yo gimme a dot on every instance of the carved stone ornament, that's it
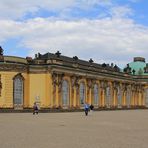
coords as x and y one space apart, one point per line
60 81
75 81
54 81
103 84
124 87
89 83
57 79
54 78
115 85
14 67
1 51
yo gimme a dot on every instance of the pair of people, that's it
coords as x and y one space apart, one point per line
88 108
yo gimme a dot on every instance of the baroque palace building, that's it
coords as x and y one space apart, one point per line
56 81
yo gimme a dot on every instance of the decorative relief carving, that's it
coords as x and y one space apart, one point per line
54 82
90 85
124 87
133 88
14 67
103 84
60 81
115 85
57 80
75 84
75 81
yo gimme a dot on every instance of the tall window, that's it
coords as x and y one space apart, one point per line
108 96
146 96
119 96
82 93
18 90
96 95
65 93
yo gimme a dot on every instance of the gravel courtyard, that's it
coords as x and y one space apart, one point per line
102 129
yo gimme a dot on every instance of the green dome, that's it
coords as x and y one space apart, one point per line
138 67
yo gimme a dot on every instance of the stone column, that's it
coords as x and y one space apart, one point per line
75 91
140 98
54 83
103 97
73 104
133 98
90 86
77 94
59 95
133 95
103 86
115 86
123 94
143 96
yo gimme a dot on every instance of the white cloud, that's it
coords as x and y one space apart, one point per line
17 9
121 11
111 39
108 39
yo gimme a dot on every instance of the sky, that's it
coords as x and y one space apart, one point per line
110 31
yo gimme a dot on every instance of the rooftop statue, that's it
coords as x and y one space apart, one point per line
1 51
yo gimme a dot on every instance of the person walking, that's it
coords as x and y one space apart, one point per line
86 108
35 109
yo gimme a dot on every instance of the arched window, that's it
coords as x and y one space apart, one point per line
96 95
108 96
119 96
18 90
146 96
65 93
82 93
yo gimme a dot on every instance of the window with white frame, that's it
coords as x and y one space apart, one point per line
96 95
18 90
108 96
65 93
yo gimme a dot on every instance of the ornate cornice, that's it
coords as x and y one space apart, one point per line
13 67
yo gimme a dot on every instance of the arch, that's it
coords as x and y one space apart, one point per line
18 90
82 93
65 93
96 95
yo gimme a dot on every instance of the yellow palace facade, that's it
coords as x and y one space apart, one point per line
56 81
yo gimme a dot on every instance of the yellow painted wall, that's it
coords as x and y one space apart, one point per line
26 90
6 98
39 89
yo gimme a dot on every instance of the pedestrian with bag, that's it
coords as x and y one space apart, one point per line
86 108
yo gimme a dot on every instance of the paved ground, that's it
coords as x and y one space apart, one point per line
103 129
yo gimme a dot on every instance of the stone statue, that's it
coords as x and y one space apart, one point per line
1 51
